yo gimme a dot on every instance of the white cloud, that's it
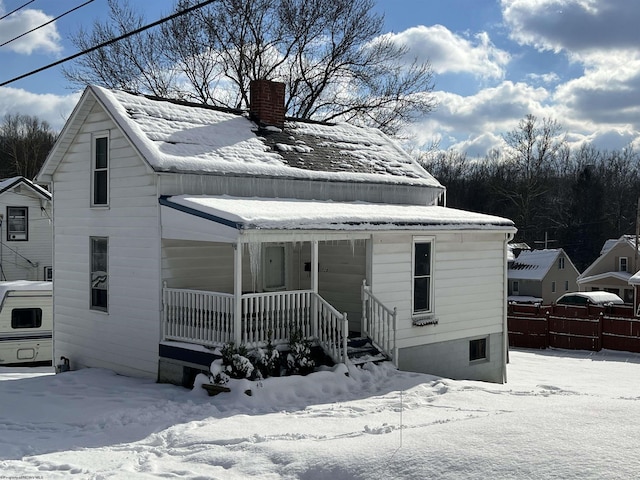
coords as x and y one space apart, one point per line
53 108
45 39
576 27
451 53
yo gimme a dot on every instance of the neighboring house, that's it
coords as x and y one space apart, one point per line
25 231
612 270
541 276
180 227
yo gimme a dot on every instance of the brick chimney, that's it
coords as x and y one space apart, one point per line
267 103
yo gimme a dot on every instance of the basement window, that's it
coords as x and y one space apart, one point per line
478 349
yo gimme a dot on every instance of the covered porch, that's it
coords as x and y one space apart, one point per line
224 283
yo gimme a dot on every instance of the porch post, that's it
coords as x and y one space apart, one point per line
237 293
314 288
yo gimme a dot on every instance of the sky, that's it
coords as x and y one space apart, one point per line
495 61
561 415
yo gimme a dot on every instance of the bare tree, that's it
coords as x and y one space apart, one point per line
25 142
331 54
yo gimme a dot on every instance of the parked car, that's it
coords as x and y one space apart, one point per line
589 298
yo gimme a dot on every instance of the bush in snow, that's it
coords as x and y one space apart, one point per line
267 360
235 361
217 373
299 360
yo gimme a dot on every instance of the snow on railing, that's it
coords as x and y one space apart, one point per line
197 316
379 323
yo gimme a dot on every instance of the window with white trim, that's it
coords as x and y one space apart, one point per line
99 275
422 276
623 264
48 274
561 263
17 224
100 171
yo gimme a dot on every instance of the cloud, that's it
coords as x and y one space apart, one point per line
451 53
53 108
577 27
45 39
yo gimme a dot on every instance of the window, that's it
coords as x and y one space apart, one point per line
48 274
99 273
26 318
566 285
100 171
17 221
623 264
478 349
422 276
553 287
561 263
274 268
516 287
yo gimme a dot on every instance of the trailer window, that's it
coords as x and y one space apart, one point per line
26 318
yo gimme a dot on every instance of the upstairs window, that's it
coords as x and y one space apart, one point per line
623 264
99 273
17 223
561 263
100 171
422 276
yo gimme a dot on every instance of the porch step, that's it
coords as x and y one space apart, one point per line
360 350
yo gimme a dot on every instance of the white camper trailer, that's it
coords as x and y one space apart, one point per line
26 322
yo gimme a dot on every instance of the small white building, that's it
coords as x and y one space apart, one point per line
180 227
25 231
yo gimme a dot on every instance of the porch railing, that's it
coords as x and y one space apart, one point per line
207 318
379 323
196 316
274 316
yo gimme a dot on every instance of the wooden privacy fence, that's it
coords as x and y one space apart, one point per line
573 327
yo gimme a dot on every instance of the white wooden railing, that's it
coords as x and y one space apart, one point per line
333 330
379 323
207 318
274 315
196 316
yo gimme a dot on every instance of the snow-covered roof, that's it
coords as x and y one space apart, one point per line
293 214
533 264
23 285
524 299
624 276
610 243
182 137
9 183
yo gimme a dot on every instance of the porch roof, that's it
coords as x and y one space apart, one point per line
227 218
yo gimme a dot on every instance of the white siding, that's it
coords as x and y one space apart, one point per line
26 260
468 278
125 339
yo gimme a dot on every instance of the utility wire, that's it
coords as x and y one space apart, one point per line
47 23
19 8
109 42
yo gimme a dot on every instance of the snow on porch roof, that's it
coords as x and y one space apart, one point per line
293 214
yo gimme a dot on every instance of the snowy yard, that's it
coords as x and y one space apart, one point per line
562 415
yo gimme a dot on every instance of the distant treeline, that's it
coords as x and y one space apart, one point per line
25 142
578 198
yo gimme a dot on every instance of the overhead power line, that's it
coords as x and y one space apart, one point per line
14 11
109 42
45 24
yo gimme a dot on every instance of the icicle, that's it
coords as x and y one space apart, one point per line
255 254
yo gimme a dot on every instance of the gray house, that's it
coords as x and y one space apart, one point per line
541 276
181 227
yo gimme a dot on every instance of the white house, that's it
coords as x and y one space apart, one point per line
25 231
180 227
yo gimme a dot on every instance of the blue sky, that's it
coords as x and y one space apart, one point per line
495 61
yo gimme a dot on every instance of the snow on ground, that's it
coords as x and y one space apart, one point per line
563 414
